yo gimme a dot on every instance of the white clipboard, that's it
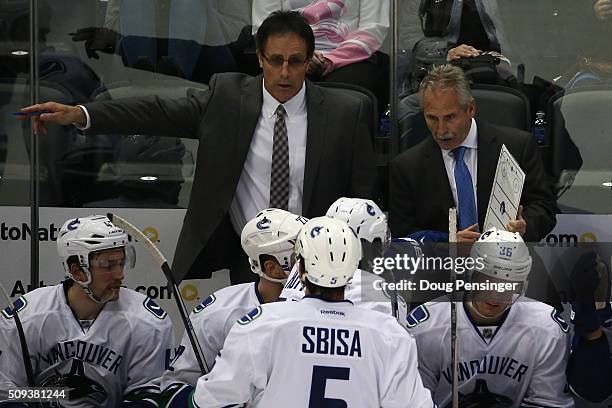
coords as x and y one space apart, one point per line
506 192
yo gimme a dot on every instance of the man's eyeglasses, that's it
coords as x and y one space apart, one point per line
277 61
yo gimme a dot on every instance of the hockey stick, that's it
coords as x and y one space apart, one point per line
163 264
452 243
25 354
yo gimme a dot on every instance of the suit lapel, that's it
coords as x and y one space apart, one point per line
251 101
315 140
488 154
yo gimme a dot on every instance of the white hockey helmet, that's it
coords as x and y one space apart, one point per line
363 216
272 232
504 254
330 251
81 236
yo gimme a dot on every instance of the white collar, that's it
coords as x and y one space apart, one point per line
293 106
470 141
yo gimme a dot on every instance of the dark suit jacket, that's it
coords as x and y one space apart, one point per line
339 154
420 193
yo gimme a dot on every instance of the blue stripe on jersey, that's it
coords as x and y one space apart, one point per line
206 302
19 304
417 315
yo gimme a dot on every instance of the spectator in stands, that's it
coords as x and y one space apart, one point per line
471 26
348 36
456 167
595 55
272 141
190 39
459 29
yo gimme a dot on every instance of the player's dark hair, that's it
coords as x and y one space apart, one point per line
321 291
284 22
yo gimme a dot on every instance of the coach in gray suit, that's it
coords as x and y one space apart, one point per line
276 140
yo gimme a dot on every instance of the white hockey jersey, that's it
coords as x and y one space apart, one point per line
212 320
311 353
123 352
360 290
520 361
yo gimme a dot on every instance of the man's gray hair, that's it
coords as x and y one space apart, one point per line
443 77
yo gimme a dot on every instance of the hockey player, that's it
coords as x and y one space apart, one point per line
268 240
511 353
589 371
103 342
370 225
320 351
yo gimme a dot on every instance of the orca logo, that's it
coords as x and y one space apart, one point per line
264 223
315 231
486 234
79 385
482 397
370 210
73 224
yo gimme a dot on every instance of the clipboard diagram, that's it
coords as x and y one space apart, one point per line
506 192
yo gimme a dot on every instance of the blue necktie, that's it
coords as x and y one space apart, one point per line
465 191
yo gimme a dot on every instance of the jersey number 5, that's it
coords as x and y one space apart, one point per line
320 375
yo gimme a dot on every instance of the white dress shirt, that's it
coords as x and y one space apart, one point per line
470 158
253 190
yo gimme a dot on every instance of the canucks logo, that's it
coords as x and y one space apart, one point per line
482 397
78 384
18 304
73 224
249 317
264 223
315 231
203 304
370 210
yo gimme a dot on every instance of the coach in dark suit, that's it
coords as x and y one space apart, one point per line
270 141
456 168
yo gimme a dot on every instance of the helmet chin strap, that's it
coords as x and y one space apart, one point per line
270 279
87 289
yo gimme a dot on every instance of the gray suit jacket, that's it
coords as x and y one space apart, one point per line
420 193
339 154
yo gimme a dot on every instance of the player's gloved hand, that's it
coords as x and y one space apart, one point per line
590 283
97 39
